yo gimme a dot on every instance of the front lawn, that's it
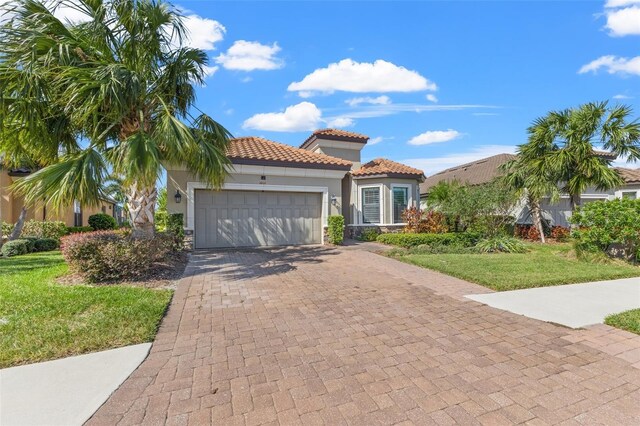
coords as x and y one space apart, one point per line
41 319
629 320
543 265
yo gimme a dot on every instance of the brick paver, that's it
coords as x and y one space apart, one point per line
327 336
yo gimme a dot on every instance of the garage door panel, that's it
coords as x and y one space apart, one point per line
252 218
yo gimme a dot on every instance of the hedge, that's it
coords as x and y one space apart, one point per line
78 229
335 231
102 222
14 248
464 239
44 229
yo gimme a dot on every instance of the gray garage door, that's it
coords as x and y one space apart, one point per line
254 218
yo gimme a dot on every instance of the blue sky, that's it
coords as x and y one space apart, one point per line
460 80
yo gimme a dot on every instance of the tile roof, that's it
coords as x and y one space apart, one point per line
474 173
260 151
629 175
382 166
335 134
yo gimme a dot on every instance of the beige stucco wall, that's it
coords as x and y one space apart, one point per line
11 205
386 184
178 179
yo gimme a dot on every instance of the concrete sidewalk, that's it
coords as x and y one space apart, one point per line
65 391
574 305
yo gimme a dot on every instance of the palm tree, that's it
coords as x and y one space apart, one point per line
112 94
531 184
563 145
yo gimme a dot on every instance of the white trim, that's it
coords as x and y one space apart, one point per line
364 225
589 196
192 186
409 196
380 187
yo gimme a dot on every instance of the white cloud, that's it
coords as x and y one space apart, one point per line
613 65
251 55
380 100
361 77
340 122
435 136
621 96
209 70
69 14
295 118
620 3
433 165
202 33
623 22
432 98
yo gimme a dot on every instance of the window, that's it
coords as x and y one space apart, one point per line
400 202
629 195
370 205
77 213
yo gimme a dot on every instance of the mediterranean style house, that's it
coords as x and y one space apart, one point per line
75 215
277 194
487 169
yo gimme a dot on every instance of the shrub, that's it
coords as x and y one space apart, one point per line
161 219
419 221
612 227
31 243
369 234
335 231
442 249
78 229
527 232
102 222
560 233
175 227
44 229
501 245
14 248
46 244
110 255
5 229
463 239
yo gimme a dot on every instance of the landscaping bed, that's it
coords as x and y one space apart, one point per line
40 319
542 265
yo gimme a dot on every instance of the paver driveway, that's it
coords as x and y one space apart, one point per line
318 335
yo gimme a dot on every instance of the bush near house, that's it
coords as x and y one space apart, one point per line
44 229
46 244
78 229
527 232
464 239
560 233
102 222
611 227
335 231
175 227
5 229
369 234
113 255
420 221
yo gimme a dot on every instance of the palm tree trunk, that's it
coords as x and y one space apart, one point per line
17 228
536 217
141 204
575 201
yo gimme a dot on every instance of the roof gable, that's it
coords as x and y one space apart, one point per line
385 167
336 135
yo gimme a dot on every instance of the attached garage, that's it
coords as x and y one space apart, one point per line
256 218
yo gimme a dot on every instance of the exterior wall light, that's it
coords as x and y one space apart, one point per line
178 196
263 180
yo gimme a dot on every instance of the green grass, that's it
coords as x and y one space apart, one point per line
629 320
41 320
542 265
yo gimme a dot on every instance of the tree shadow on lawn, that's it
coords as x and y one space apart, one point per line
250 263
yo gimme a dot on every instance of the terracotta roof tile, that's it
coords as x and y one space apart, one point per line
255 150
335 134
474 173
382 166
629 175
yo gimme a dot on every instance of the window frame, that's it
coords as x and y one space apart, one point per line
409 200
379 187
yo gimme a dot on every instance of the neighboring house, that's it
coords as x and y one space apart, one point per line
75 215
487 169
276 194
